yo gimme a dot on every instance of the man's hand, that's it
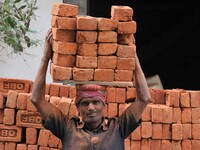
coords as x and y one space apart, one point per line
47 53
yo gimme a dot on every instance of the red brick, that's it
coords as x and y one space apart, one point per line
195 144
63 60
127 144
21 147
53 141
131 94
47 88
86 36
195 115
107 37
126 51
2 145
106 75
43 137
72 92
54 89
166 145
196 131
10 133
12 99
107 48
86 62
64 105
121 13
29 119
194 97
123 75
1 101
186 115
83 74
103 62
157 114
55 100
186 145
172 98
44 148
9 116
31 136
136 134
60 73
17 85
112 110
111 94
125 39
146 129
155 144
185 99
106 24
1 115
152 92
157 131
167 114
30 106
187 131
63 35
32 147
67 48
63 22
147 113
62 9
122 108
120 95
10 146
22 100
128 27
85 49
86 23
177 131
176 145
176 115
160 96
64 91
73 110
135 145
145 144
126 63
167 131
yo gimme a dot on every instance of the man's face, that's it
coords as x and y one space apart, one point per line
91 110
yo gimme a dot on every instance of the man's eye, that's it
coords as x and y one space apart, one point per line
96 102
84 103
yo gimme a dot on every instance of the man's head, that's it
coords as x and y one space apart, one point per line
90 102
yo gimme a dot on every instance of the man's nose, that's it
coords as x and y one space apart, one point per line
91 106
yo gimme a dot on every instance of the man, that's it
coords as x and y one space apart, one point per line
90 132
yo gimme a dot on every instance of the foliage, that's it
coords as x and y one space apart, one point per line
15 18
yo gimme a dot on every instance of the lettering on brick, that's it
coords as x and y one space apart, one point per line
13 85
31 118
8 133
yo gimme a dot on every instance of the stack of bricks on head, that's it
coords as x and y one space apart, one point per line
170 121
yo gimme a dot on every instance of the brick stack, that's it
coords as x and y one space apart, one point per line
87 48
170 120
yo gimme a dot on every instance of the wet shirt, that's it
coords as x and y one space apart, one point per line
75 135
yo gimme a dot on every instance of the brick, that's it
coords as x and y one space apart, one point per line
126 63
172 98
167 114
31 136
86 23
195 115
63 22
9 116
82 74
67 48
63 60
123 75
153 95
107 48
121 13
186 145
147 113
47 98
10 146
64 91
63 35
110 94
21 147
194 97
60 73
167 131
54 89
185 99
155 144
44 148
195 131
47 88
128 27
112 110
53 141
136 134
103 62
89 49
156 115
157 131
126 51
12 99
186 115
64 105
86 36
32 147
107 36
177 131
177 115
72 92
1 115
29 119
1 101
73 110
186 128
127 144
195 144
86 62
176 145
135 145
146 129
10 133
2 145
131 94
106 75
55 100
30 106
160 96
43 137
125 39
120 95
17 85
106 24
22 100
145 144
166 145
65 10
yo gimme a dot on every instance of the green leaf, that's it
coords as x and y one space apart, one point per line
22 7
17 1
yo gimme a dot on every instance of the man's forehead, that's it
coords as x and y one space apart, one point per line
88 99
